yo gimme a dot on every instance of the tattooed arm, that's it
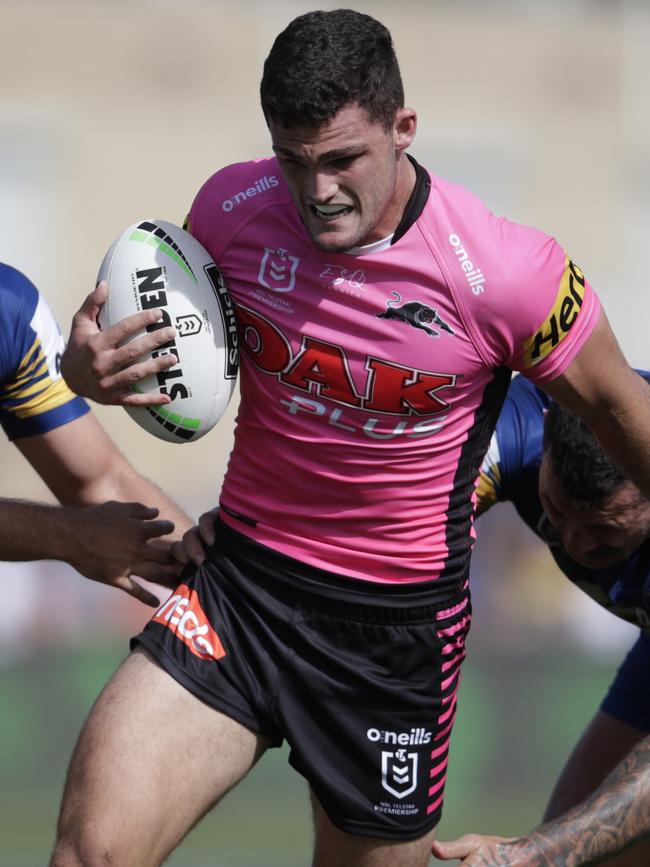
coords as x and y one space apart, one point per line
616 815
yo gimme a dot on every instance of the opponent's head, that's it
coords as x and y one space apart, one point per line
333 99
602 516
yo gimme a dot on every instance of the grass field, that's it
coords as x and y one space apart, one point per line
514 728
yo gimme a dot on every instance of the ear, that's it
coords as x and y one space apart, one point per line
404 128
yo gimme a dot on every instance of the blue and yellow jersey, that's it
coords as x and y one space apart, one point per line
510 473
34 398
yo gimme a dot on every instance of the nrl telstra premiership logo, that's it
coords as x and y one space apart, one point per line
399 772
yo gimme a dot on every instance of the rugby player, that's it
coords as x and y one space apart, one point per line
596 523
381 311
103 529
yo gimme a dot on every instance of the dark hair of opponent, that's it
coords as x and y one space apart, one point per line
324 61
585 472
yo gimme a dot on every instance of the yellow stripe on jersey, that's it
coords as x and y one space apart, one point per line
486 489
561 317
33 391
54 394
25 385
26 370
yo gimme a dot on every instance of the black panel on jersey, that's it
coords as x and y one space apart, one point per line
459 511
417 200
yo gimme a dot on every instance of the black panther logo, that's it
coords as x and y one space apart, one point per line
415 313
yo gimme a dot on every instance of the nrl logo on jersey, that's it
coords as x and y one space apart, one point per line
399 772
416 314
278 270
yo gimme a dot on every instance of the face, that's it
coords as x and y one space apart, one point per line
349 178
596 536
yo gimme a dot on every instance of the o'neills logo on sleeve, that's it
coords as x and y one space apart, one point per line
473 274
182 613
561 317
261 185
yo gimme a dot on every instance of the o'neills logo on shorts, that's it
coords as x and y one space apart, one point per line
411 738
182 613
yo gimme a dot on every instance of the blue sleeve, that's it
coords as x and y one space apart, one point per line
511 465
628 698
34 397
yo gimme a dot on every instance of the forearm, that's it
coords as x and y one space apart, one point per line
34 531
616 815
82 466
121 483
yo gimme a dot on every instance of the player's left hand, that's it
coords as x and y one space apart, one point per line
195 540
102 365
482 850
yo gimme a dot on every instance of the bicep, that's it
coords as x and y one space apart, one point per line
74 459
599 382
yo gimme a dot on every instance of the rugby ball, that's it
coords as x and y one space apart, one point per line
156 264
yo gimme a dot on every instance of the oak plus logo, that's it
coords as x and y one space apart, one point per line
278 270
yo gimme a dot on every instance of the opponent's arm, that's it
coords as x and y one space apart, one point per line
106 543
115 535
616 815
100 365
612 399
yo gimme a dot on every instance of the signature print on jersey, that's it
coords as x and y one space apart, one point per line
416 314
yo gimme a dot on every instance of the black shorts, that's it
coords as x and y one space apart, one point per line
359 678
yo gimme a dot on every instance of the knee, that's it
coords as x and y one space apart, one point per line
82 851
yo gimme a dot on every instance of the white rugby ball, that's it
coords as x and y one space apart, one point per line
156 264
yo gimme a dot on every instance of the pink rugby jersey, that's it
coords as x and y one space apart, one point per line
371 383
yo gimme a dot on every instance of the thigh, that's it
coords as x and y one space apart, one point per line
335 848
150 761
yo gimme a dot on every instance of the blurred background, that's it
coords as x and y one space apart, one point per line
116 111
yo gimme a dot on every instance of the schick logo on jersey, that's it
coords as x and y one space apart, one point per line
399 772
214 275
278 270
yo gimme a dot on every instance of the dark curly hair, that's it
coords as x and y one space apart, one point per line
324 61
586 473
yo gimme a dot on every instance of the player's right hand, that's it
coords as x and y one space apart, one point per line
102 365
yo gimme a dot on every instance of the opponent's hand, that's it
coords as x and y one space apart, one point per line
112 542
100 365
192 547
483 850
